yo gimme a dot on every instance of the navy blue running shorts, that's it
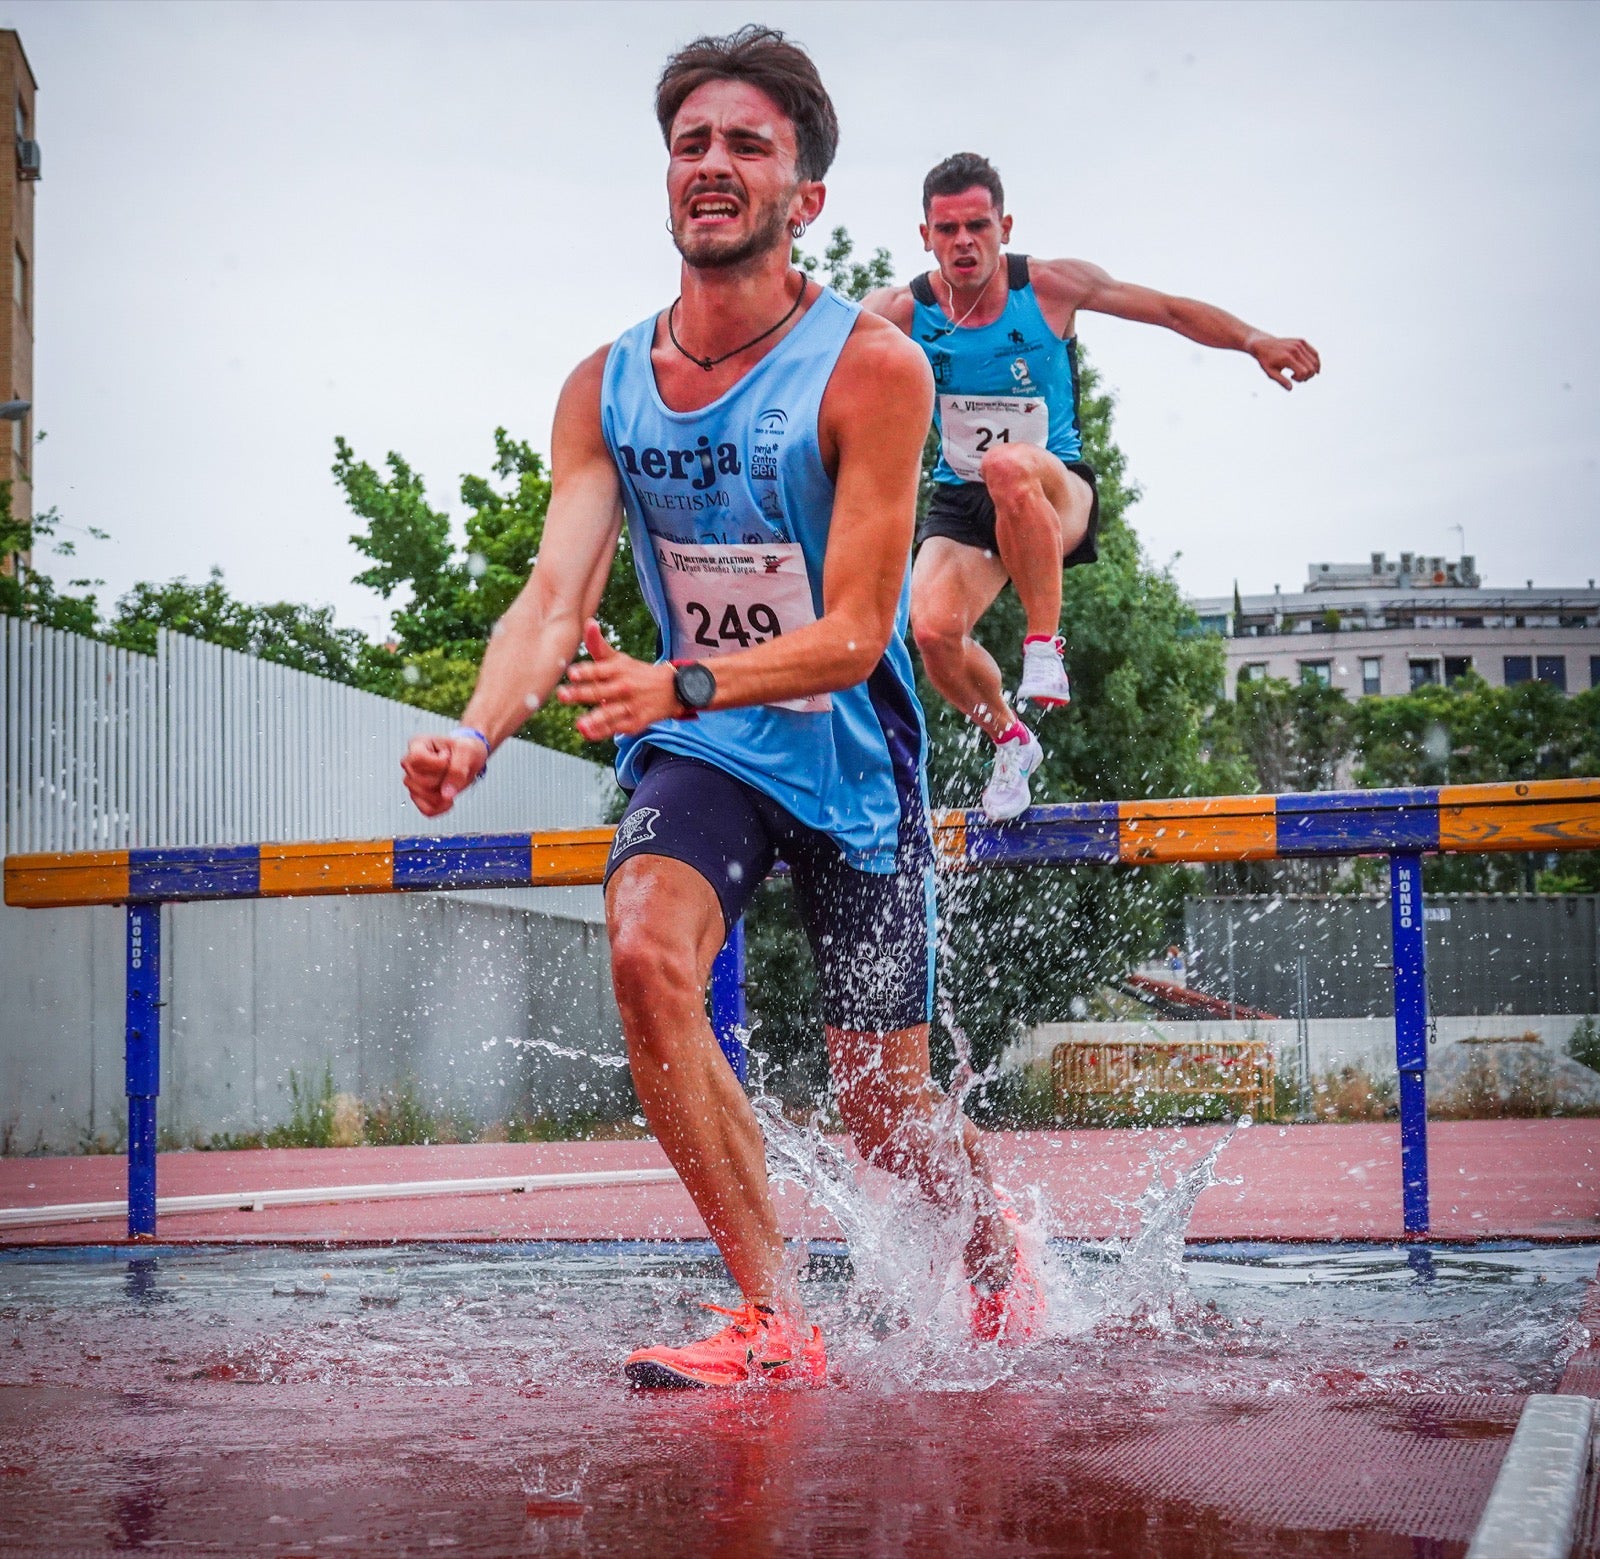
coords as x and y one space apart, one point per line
871 934
965 512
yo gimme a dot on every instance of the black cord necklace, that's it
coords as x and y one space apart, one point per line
708 363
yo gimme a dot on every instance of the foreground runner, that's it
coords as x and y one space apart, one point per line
1013 498
762 439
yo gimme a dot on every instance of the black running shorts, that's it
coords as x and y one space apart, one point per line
871 934
965 513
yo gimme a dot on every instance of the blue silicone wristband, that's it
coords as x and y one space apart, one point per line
467 730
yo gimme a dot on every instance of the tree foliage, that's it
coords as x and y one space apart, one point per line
1315 738
26 590
448 595
839 268
1018 947
304 637
1021 945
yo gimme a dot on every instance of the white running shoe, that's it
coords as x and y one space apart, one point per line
1015 758
1044 678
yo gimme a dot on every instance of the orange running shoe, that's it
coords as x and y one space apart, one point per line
1011 1313
760 1344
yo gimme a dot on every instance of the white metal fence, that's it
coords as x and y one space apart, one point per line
106 749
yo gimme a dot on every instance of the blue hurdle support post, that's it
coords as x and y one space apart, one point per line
727 1002
1411 1033
142 1058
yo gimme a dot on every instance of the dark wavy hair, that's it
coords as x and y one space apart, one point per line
766 59
956 175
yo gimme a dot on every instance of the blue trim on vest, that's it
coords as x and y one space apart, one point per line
744 470
980 360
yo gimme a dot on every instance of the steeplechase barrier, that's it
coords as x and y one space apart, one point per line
1403 825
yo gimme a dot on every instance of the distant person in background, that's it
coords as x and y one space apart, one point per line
1013 499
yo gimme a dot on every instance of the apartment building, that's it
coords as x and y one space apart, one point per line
1393 624
16 319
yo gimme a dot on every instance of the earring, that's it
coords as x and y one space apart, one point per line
797 230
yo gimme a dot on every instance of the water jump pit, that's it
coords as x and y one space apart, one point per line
1230 1397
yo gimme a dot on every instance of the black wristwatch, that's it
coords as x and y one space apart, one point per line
694 685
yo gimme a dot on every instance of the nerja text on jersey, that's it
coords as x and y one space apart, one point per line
699 467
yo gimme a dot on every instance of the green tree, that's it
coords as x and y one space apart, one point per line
838 268
1313 738
1471 733
284 632
1277 737
1018 946
303 637
448 596
26 589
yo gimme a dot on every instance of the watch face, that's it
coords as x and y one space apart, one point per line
696 686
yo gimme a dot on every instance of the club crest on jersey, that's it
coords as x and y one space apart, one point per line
699 467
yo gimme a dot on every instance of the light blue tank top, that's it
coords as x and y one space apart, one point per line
1017 357
747 472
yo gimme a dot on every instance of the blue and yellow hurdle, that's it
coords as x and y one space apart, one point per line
1404 825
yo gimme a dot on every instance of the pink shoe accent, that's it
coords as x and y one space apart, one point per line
1015 732
1012 1314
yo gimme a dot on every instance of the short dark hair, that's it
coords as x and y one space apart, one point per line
766 59
956 175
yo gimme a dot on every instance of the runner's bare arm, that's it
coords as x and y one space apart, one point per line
540 632
891 303
1075 284
875 413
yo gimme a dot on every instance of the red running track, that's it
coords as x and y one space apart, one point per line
1536 1179
213 1465
313 1470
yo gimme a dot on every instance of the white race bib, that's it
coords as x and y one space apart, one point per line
973 425
726 598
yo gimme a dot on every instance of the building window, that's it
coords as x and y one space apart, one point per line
1594 671
1455 668
1371 674
1518 668
1316 673
19 280
19 446
22 120
1552 669
1424 673
1253 671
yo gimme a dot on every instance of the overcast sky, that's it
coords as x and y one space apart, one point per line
264 225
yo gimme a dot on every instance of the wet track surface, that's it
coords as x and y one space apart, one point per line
1257 1400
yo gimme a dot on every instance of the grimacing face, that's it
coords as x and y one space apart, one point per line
964 233
732 186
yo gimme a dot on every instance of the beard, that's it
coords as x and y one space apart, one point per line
711 252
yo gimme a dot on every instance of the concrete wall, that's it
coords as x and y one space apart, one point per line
443 992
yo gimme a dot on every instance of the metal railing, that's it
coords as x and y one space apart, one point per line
1403 825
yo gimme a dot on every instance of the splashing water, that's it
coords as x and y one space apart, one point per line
1243 1321
1148 1284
